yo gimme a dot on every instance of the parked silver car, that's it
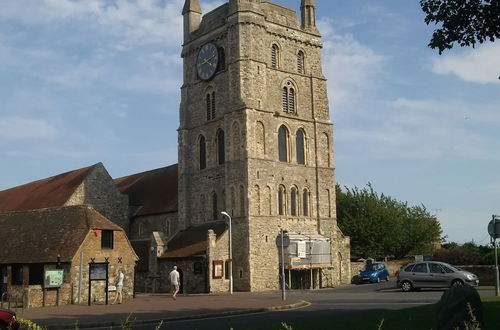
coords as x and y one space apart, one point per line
433 274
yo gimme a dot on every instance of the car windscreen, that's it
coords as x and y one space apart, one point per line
370 267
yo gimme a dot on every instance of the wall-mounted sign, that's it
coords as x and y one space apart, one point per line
53 278
218 269
301 249
98 271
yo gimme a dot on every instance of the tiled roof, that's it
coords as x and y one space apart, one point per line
49 192
153 191
192 241
38 236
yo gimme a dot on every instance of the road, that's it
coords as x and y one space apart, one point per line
324 302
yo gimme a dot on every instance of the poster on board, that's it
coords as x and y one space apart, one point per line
53 278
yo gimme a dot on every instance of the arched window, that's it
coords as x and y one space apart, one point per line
288 98
300 62
281 200
293 201
221 147
210 98
283 144
209 106
203 153
222 59
215 211
305 203
268 201
299 146
284 99
274 56
256 200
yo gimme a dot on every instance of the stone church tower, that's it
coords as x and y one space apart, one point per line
255 140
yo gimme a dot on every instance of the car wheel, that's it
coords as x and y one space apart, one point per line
406 286
456 283
3 326
377 280
387 278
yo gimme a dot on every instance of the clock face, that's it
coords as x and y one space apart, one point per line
207 61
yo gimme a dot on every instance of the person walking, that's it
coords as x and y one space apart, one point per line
174 282
119 287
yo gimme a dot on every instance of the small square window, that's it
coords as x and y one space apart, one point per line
107 239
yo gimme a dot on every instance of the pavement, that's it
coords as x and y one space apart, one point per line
153 308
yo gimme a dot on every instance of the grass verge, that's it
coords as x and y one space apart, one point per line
416 318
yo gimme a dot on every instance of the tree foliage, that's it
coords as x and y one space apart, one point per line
379 225
468 253
465 22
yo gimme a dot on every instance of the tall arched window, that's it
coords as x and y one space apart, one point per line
325 145
288 98
210 98
268 201
293 201
221 147
222 59
283 144
281 200
209 106
256 200
274 56
305 203
215 210
300 62
203 153
299 146
284 99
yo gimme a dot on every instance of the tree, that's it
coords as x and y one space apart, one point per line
465 22
379 225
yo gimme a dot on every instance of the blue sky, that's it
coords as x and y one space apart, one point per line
99 81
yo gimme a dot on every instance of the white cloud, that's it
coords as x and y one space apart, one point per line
352 68
16 128
480 65
425 129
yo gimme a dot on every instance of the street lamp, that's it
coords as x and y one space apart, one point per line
230 254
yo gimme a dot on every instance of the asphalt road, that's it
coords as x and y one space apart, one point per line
324 302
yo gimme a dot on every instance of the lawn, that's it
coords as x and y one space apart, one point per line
417 318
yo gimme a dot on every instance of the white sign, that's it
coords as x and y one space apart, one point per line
301 249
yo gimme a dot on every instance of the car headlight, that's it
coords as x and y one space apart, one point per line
470 277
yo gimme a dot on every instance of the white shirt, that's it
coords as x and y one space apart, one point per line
121 277
174 277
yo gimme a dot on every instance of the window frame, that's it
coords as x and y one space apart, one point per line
107 242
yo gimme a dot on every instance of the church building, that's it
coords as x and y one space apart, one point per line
255 141
253 194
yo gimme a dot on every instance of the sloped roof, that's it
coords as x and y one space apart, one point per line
45 193
38 236
153 191
192 241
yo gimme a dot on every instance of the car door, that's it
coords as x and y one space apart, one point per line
437 276
420 275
